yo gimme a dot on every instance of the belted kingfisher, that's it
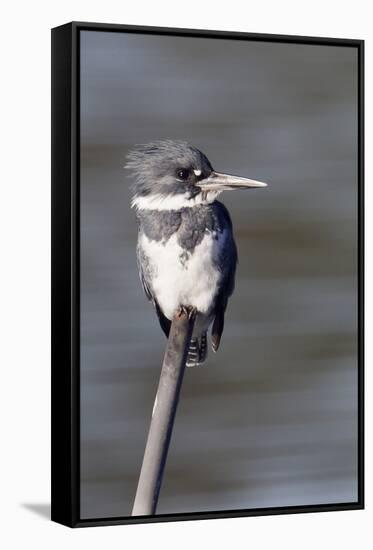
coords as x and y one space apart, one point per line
186 252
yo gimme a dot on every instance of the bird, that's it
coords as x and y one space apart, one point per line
186 252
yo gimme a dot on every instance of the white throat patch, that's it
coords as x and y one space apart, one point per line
172 202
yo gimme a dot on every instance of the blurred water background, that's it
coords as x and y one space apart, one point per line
271 420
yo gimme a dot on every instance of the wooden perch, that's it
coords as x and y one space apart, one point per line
164 411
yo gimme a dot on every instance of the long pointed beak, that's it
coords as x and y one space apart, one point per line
225 182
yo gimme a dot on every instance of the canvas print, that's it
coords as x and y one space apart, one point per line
218 274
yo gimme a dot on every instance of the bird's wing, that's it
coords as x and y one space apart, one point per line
145 281
227 263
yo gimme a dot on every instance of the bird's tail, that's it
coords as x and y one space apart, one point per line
197 352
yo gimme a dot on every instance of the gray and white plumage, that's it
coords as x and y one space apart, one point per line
186 251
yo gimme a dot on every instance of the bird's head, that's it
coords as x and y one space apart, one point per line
170 175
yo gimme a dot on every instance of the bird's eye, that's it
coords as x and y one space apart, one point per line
183 174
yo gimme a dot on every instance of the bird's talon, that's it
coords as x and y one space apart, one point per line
189 311
182 310
192 313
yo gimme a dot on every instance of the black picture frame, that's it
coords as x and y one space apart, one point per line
66 273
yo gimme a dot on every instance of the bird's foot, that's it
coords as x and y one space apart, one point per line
189 311
192 313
